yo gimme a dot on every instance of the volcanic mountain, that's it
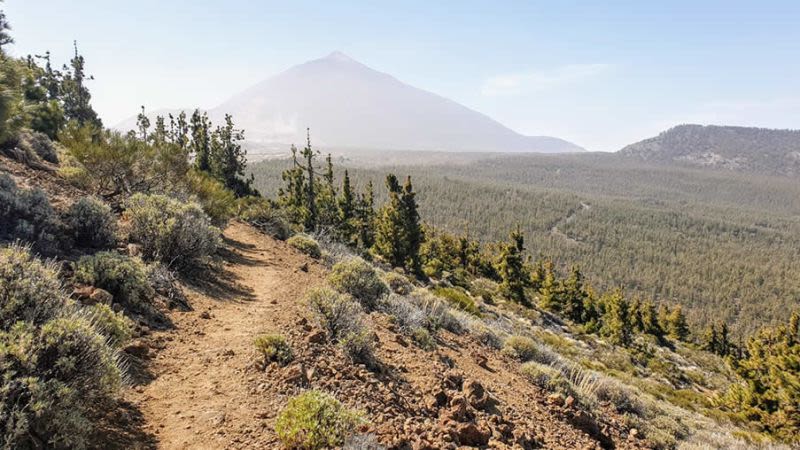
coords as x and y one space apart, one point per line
349 105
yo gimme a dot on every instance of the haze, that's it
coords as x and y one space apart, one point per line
599 75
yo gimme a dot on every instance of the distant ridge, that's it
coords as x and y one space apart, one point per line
744 149
349 105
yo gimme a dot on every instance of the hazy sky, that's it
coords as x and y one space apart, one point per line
599 73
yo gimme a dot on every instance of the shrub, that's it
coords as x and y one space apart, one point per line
359 279
122 276
343 318
38 144
485 289
335 312
26 214
526 349
258 212
404 313
91 223
30 290
305 244
164 282
423 338
54 379
398 283
438 313
459 299
545 377
177 234
113 325
217 201
314 420
622 397
273 347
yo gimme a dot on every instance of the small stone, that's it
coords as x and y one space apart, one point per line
634 433
555 399
82 293
205 315
316 337
470 434
101 296
295 374
569 402
134 250
138 349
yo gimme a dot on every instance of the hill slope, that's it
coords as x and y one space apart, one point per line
758 150
349 105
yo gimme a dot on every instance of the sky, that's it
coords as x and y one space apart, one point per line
602 74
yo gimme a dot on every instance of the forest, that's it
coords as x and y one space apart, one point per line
721 244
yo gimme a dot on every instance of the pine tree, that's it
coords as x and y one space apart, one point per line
365 218
228 159
650 322
616 320
347 210
677 327
327 207
310 184
550 298
574 296
75 94
201 140
412 228
512 268
390 241
711 340
292 196
635 313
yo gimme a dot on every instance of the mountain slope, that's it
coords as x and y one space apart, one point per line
757 150
349 105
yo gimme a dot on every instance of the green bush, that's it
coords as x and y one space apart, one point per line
217 201
39 144
314 420
259 212
344 320
305 244
122 276
58 367
423 338
359 279
55 380
273 347
26 214
526 349
177 234
30 290
398 283
545 377
113 325
91 223
459 299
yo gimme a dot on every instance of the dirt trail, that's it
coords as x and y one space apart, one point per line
203 390
200 396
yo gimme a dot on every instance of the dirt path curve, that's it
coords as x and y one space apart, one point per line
200 396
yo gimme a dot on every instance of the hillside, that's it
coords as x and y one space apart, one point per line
720 243
755 150
349 105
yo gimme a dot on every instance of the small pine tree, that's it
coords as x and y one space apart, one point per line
412 228
390 241
616 320
574 296
365 218
650 322
511 268
550 297
676 324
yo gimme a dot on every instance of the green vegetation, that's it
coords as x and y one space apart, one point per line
458 299
59 368
122 276
273 347
344 320
305 244
91 223
315 420
176 233
359 279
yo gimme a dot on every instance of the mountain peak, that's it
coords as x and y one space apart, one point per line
339 57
